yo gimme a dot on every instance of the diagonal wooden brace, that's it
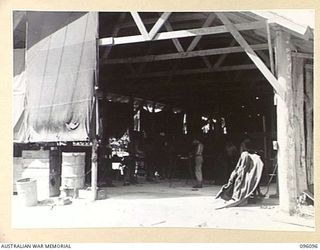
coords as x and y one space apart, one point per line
252 55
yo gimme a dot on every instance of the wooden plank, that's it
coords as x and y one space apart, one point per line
94 170
309 125
180 34
207 62
175 41
173 19
298 101
223 56
285 126
155 29
195 71
140 25
196 40
171 56
271 59
253 56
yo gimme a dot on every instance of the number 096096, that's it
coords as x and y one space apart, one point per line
309 246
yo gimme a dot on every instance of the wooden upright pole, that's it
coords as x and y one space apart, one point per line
94 170
94 156
300 147
309 127
285 125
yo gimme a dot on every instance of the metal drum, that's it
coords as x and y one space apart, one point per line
73 165
27 191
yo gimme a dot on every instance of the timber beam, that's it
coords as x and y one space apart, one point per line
194 71
170 56
111 41
173 19
156 27
175 41
216 83
206 24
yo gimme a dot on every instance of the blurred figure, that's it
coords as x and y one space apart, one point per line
134 150
232 156
163 156
150 157
198 160
246 145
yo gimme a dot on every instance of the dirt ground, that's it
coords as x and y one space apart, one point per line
158 205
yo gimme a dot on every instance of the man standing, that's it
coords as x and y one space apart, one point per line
198 160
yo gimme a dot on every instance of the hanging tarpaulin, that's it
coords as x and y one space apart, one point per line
60 75
19 84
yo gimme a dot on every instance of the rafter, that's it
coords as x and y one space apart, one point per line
207 62
270 49
161 21
253 56
196 40
179 34
223 57
137 19
199 83
194 71
175 41
175 18
170 56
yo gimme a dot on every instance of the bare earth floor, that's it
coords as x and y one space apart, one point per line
158 205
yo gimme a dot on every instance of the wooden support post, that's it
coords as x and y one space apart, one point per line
285 126
94 170
309 126
273 128
264 129
298 99
96 128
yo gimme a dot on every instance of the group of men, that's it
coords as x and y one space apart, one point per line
158 155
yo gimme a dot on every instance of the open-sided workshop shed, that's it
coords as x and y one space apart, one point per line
250 70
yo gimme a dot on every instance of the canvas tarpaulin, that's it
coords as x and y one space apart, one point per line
59 76
243 180
19 84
